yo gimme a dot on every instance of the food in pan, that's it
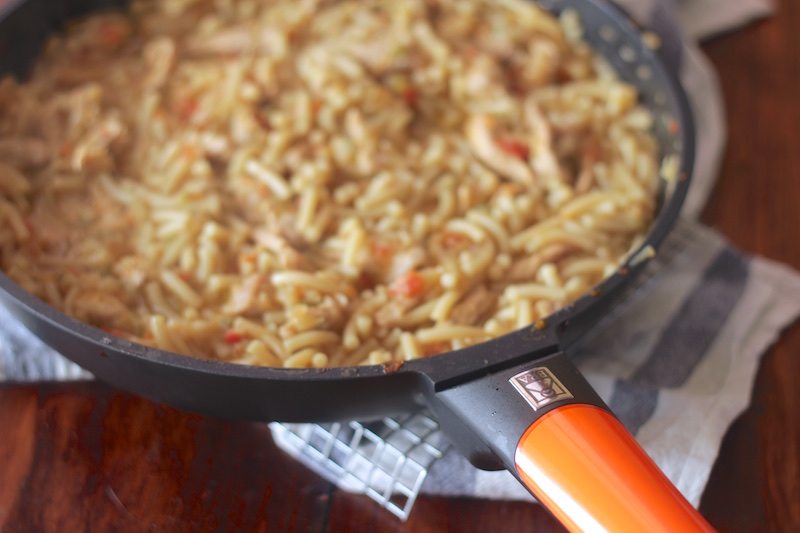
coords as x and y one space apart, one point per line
317 183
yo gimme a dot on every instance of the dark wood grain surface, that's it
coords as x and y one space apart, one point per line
85 457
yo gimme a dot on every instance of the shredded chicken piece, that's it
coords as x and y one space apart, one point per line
95 152
132 271
525 269
405 261
586 178
543 157
379 57
243 297
159 54
484 77
79 105
244 127
237 40
289 257
478 131
543 64
216 146
329 313
474 307
325 316
285 227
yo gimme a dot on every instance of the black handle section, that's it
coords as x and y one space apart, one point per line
486 418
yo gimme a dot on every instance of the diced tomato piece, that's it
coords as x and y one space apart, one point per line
409 284
232 337
410 95
189 151
188 108
512 147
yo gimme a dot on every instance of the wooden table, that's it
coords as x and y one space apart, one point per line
87 457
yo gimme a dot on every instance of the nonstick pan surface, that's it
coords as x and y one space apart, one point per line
479 393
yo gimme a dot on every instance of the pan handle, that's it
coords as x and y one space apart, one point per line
546 424
583 465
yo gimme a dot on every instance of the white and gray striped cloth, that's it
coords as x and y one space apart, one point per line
676 361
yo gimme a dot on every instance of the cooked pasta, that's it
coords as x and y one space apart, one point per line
320 183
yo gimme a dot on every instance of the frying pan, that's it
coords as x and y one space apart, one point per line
514 402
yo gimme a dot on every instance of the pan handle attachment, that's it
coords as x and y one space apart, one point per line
583 465
544 422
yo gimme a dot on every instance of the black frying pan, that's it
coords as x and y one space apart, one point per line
514 402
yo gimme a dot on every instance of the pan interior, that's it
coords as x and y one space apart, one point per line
637 59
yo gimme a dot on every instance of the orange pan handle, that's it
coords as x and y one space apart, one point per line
586 468
543 421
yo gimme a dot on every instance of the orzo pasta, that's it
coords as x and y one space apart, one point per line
320 183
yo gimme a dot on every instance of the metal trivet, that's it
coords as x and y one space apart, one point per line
387 460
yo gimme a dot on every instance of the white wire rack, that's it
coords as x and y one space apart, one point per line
387 460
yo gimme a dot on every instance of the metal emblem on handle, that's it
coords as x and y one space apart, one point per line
540 387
